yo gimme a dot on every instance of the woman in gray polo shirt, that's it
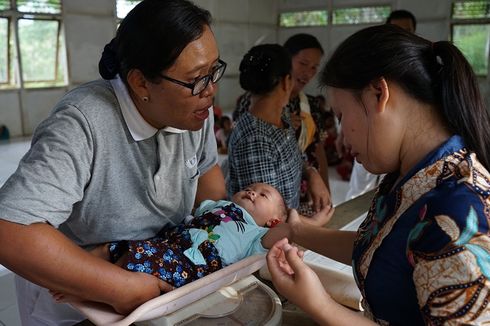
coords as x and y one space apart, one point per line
116 159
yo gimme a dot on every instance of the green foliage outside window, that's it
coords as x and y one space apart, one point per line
473 41
361 15
303 18
4 4
471 9
471 32
39 6
4 50
37 47
39 52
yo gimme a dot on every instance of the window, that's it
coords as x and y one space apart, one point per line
34 55
471 9
4 52
303 18
346 16
361 15
470 32
39 6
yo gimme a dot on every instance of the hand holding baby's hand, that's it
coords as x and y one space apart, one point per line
294 279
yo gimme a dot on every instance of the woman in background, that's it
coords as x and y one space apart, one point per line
303 112
262 146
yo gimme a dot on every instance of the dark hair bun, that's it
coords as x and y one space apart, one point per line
108 64
262 68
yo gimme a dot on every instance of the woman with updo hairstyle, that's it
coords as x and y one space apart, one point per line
307 118
263 67
118 158
412 109
262 146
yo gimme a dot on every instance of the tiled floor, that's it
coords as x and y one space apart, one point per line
10 154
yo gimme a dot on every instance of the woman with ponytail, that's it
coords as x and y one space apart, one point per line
118 158
412 109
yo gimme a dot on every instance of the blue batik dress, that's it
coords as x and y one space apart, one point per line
422 256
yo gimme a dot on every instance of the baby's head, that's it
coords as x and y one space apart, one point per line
263 202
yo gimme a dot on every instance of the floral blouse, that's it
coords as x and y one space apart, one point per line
422 256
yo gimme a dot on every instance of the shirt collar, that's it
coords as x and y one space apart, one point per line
454 144
139 128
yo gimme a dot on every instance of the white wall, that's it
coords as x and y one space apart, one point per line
89 25
238 25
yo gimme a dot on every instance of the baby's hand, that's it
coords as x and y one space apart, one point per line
164 286
322 217
293 217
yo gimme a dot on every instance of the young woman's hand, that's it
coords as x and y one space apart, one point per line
295 280
296 119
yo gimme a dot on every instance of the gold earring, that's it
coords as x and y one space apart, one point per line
145 98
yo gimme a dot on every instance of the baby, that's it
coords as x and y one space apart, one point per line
221 233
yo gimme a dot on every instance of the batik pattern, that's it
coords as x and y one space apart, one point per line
435 226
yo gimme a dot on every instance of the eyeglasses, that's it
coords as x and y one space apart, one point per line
200 84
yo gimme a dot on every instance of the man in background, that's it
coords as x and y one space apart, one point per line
403 18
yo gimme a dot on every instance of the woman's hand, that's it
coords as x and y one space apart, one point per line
295 280
299 283
140 288
146 287
296 118
317 190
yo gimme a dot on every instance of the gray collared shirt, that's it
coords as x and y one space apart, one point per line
87 175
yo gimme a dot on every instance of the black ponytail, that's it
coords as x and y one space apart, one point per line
461 101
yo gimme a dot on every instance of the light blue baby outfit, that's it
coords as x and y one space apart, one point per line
234 238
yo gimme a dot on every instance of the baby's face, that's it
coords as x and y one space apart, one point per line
262 201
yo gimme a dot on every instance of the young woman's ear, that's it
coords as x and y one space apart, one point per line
138 84
381 91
